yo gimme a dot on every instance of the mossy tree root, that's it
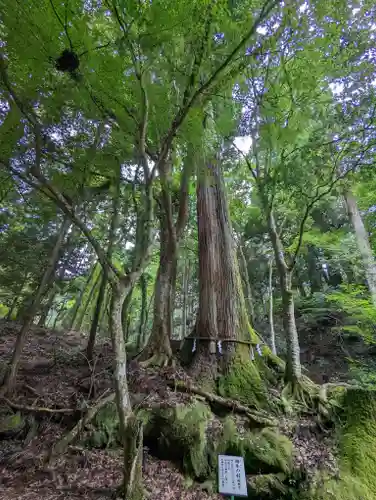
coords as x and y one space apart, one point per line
304 395
256 417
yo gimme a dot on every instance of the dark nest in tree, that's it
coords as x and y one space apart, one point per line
67 62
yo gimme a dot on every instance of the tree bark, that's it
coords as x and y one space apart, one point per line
11 374
83 307
247 284
222 312
79 299
104 281
130 431
143 311
47 307
185 299
293 371
271 316
159 350
362 240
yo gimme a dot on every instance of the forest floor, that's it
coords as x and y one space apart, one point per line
55 374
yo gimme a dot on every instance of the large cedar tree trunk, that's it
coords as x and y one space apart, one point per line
11 373
222 312
364 246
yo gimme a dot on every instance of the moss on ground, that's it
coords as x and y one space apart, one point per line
267 486
106 428
10 425
264 452
357 451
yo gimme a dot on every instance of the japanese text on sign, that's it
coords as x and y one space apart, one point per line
231 476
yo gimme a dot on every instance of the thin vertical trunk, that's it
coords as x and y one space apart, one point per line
271 317
158 351
362 240
104 281
125 314
80 297
95 320
130 427
293 371
247 285
14 304
185 299
11 374
82 310
143 311
314 272
47 307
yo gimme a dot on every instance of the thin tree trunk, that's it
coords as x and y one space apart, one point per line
159 350
293 371
362 240
247 285
12 308
47 307
185 300
130 427
82 310
80 298
271 317
104 281
11 374
143 311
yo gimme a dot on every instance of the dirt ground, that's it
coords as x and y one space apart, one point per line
55 374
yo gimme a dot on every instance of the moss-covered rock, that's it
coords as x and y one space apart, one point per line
357 451
105 428
11 425
179 434
265 451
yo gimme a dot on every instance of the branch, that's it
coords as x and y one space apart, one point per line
182 217
213 79
317 198
54 195
36 409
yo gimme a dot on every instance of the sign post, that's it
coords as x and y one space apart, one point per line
231 476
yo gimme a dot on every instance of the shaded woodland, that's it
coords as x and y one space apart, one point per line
187 248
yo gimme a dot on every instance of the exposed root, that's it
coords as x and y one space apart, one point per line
257 417
160 360
306 396
60 447
37 409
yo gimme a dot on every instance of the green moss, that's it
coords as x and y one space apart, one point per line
357 451
358 436
11 424
180 434
243 383
264 451
267 486
106 424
